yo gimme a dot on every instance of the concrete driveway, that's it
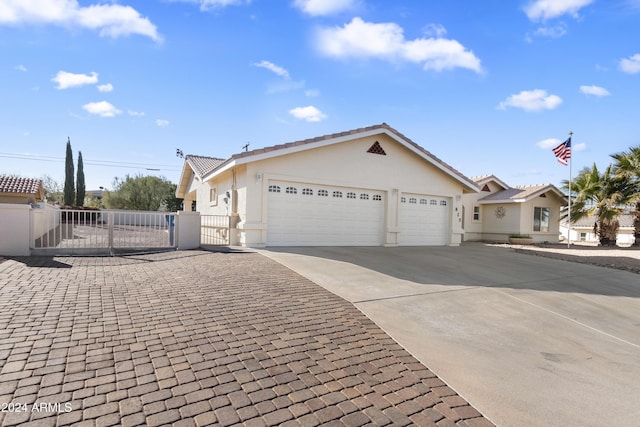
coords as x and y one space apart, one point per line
528 341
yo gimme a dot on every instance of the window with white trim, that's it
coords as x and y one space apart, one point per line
541 219
443 203
337 194
413 200
364 196
476 213
291 190
307 192
213 197
377 197
403 199
323 193
423 201
433 202
351 195
274 189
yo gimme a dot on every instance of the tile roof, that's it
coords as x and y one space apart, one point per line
625 220
354 132
202 165
519 192
18 185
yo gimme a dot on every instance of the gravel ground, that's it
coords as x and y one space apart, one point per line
612 257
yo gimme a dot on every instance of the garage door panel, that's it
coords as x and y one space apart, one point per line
316 215
424 220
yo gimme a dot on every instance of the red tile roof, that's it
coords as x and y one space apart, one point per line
17 185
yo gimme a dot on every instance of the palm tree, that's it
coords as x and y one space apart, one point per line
601 195
627 167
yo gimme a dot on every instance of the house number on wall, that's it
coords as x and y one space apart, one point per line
500 212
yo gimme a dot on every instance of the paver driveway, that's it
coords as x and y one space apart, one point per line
200 338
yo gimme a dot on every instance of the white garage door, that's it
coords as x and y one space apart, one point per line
424 220
317 215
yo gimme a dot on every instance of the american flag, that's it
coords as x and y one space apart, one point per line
563 152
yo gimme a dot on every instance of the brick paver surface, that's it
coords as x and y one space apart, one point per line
199 338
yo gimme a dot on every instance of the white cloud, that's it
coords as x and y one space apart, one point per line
324 7
554 32
594 90
631 65
162 123
309 113
541 10
105 87
135 113
66 80
102 109
436 30
386 41
206 5
111 20
21 68
273 68
531 100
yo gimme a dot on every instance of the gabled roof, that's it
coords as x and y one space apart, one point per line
21 186
481 180
520 194
198 165
320 141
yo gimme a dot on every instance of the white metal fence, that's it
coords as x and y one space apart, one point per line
62 231
214 230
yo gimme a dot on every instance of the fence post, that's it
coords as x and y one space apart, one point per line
187 230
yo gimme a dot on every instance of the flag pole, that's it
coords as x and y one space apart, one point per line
569 216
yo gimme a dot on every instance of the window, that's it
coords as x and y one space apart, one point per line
377 197
423 201
337 194
364 196
413 200
213 197
403 199
476 213
433 202
541 219
351 195
443 203
583 237
307 192
323 193
291 190
274 189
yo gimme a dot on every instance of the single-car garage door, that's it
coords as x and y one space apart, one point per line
319 215
424 220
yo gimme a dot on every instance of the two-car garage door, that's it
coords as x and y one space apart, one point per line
320 215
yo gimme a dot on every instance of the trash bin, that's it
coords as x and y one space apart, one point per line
170 223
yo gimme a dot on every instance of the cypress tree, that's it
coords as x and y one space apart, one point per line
69 190
80 189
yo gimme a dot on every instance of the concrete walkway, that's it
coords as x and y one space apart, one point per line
198 338
528 341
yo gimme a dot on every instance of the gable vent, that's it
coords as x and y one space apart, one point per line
376 148
486 188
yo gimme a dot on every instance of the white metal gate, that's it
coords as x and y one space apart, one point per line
214 230
73 232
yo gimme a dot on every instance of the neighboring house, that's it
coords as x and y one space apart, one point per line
500 210
365 187
583 230
20 190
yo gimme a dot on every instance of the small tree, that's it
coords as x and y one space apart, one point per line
52 189
144 193
80 188
69 189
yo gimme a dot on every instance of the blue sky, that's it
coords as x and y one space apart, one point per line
487 86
